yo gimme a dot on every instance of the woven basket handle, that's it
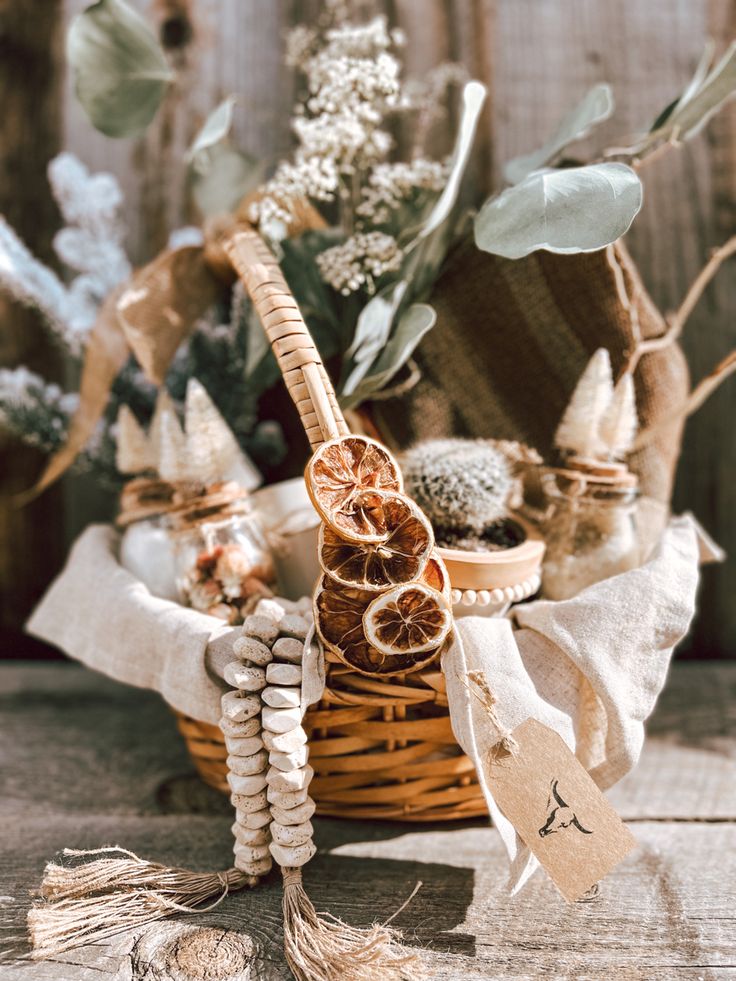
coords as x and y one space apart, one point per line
296 353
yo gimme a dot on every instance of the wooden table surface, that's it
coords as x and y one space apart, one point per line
87 762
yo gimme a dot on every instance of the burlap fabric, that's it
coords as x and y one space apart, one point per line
511 340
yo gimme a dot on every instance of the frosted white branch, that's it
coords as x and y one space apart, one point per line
90 245
33 409
28 281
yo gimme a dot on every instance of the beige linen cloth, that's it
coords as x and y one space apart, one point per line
100 614
590 667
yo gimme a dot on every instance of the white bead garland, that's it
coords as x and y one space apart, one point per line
247 758
262 720
498 597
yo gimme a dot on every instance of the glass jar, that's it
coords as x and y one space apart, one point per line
590 530
222 560
146 549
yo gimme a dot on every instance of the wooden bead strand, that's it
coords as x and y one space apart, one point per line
247 759
289 773
267 746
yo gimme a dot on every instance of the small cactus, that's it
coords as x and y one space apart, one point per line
462 485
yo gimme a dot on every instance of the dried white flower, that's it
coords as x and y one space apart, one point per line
359 261
92 242
358 40
389 184
299 45
343 142
30 282
353 82
315 177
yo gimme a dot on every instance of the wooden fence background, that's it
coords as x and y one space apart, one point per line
536 56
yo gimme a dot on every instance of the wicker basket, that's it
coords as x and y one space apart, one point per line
380 748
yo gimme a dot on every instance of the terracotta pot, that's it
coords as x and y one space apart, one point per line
505 569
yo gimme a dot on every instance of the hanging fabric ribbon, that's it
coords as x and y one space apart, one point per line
162 303
107 352
149 317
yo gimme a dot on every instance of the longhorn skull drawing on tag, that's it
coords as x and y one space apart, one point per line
559 815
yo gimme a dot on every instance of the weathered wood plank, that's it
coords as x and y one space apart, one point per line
687 770
667 911
74 738
89 762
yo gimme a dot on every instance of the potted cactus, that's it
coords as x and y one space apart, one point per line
469 489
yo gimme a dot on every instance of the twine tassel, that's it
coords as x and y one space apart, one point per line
94 900
320 947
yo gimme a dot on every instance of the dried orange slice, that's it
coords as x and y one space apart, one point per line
401 558
436 576
338 617
337 478
408 620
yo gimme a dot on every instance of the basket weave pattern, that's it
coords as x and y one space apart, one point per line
380 747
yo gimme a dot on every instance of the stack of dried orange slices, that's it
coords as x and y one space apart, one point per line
383 603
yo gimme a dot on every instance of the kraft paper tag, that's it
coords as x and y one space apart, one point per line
557 810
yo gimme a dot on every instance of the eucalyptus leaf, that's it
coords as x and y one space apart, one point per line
411 328
474 95
371 333
697 106
120 71
580 209
220 175
221 182
596 106
426 253
699 76
704 95
216 128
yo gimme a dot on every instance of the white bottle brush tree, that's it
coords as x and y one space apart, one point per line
204 452
600 420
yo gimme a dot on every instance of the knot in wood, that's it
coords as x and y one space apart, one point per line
178 952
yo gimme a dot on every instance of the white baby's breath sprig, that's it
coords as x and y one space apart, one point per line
359 261
300 42
390 184
353 83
